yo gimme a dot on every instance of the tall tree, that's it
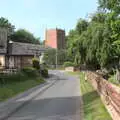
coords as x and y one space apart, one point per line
4 23
24 36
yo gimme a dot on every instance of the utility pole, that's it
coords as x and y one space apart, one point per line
56 58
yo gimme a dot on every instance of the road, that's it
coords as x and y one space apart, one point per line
59 102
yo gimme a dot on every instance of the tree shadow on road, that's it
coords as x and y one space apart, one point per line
60 108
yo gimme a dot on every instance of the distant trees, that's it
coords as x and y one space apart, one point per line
24 36
20 35
51 55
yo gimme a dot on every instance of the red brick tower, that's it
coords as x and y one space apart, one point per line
55 38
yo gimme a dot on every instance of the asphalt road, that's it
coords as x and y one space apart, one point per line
59 102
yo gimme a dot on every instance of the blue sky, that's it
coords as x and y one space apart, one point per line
37 15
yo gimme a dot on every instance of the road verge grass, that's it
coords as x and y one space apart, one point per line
93 106
14 83
11 89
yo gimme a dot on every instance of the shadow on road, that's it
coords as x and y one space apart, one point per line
63 108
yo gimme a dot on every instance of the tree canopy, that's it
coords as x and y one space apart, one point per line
24 36
97 42
20 35
4 23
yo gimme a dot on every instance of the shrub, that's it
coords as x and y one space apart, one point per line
30 72
9 78
44 72
36 63
24 74
68 64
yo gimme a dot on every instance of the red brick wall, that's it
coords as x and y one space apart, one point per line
109 93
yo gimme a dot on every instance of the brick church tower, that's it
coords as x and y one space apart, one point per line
55 38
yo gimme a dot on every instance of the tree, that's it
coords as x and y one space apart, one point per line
97 42
4 23
24 36
110 5
50 56
81 25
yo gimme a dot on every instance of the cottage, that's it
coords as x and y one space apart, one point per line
16 54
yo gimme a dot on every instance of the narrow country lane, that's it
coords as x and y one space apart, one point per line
59 102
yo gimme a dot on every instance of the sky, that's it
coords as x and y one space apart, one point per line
38 15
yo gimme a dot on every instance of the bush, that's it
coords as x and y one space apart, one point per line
30 72
23 75
36 63
68 64
9 78
44 72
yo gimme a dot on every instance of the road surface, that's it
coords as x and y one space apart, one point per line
59 102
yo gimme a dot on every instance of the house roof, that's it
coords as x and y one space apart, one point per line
17 48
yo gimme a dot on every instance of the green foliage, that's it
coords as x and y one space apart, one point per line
30 72
10 78
44 72
51 54
68 64
96 42
24 36
36 63
4 23
23 75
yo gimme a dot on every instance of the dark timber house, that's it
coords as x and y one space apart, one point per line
15 54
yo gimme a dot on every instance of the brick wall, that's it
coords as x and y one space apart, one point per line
109 93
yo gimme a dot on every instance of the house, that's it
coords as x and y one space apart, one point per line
16 54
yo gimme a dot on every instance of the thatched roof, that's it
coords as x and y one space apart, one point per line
17 48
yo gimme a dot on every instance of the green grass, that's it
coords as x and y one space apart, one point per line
93 106
112 80
11 89
94 109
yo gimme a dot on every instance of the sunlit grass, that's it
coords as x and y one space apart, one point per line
93 106
11 89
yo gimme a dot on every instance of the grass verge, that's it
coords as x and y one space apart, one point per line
93 106
112 80
94 109
11 89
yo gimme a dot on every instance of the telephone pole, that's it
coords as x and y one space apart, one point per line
56 58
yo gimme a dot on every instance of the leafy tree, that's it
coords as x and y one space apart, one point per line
24 36
4 23
81 26
97 42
